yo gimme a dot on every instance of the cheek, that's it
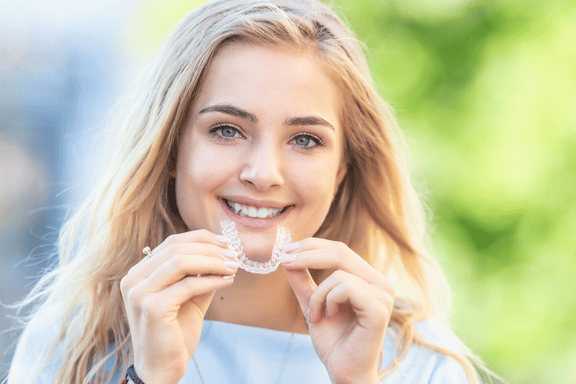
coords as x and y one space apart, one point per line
208 167
200 169
316 186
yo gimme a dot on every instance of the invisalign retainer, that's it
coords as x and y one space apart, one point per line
282 238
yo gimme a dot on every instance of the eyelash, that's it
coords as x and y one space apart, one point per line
216 132
319 142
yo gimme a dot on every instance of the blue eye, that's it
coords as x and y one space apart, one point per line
308 141
225 131
303 141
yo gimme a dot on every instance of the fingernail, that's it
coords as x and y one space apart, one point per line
222 239
291 247
326 312
286 258
231 264
228 277
229 253
308 316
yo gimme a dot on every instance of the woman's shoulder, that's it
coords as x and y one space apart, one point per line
423 364
39 353
36 348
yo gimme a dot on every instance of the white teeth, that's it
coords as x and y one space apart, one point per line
262 213
246 210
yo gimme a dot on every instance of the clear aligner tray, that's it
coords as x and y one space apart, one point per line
282 238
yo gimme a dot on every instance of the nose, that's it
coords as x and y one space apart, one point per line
262 168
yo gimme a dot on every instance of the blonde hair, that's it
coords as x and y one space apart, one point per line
376 212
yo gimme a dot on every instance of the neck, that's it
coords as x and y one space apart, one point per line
264 301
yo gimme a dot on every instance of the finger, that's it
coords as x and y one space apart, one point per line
303 286
180 266
339 278
316 253
370 313
197 236
159 257
173 297
318 298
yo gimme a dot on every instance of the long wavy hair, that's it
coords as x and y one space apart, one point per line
376 212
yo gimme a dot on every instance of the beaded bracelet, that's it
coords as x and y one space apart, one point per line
131 373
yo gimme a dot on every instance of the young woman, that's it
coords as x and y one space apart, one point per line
262 113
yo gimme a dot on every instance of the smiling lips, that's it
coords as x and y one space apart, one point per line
253 212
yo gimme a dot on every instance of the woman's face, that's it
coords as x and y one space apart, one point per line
262 147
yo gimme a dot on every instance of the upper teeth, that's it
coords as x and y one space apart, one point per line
246 210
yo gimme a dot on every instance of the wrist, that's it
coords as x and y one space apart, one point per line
138 376
132 377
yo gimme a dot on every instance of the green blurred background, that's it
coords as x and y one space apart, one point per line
486 94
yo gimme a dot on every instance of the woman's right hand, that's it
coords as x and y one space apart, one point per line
166 301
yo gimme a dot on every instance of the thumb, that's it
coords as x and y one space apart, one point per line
303 286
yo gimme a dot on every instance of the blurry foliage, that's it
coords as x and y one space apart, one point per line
486 93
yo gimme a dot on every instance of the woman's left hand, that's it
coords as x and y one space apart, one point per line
348 313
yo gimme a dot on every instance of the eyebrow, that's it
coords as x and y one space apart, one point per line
230 110
308 120
237 112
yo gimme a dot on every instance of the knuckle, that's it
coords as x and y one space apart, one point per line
126 283
343 252
387 287
148 305
342 247
346 286
171 239
315 297
383 311
178 262
173 248
133 269
134 297
339 275
189 283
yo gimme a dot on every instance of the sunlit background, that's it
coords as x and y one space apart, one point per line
484 90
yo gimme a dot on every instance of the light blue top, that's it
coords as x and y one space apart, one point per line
231 353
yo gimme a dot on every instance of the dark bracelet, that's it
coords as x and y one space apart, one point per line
131 373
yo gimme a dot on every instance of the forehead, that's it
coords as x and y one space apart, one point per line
248 74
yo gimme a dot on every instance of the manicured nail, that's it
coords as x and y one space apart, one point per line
229 253
222 239
231 264
287 258
291 247
308 316
228 277
326 312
